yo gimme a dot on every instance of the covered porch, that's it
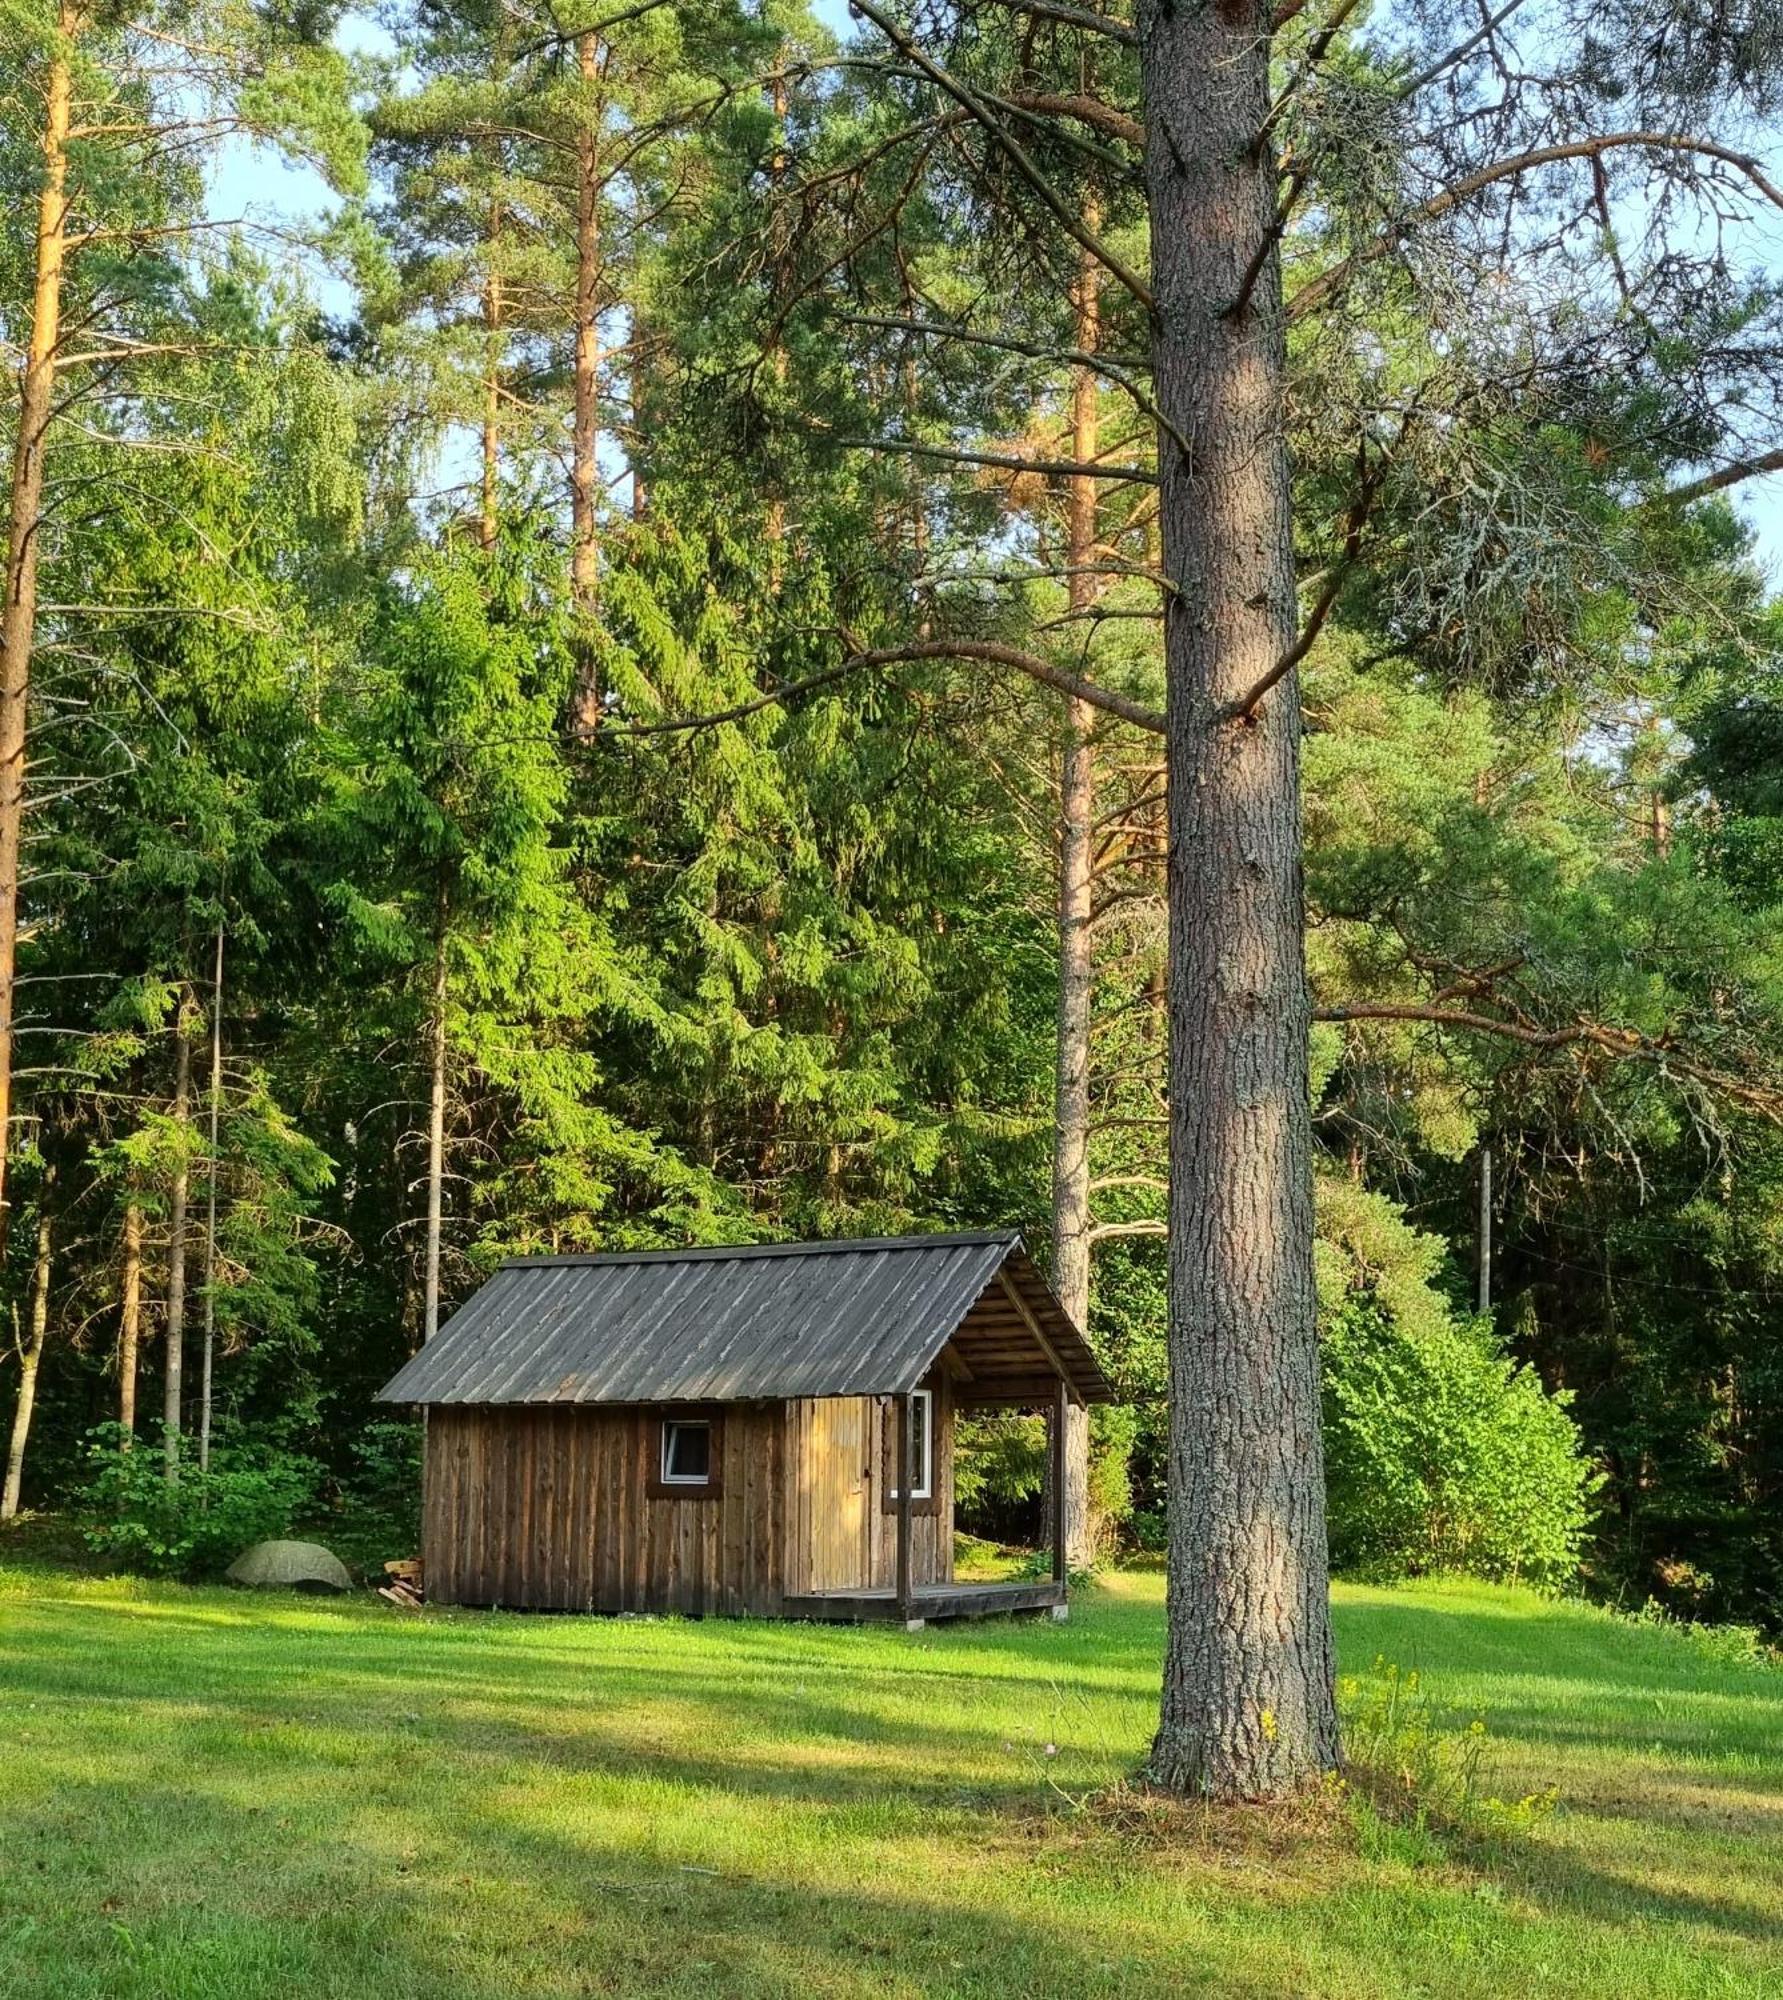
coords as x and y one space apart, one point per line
999 1357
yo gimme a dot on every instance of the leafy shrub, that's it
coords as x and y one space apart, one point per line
1725 1645
1149 1530
376 1511
198 1525
1441 1451
1114 1429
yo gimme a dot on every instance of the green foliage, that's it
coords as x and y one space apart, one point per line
1420 1767
999 1462
1442 1452
1742 1646
250 1492
373 1515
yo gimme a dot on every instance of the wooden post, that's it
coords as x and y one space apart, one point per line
1060 1407
906 1480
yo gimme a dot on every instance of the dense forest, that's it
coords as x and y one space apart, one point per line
606 691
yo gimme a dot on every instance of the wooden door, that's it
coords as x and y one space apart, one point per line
836 1449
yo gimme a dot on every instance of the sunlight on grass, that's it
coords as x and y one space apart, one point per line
203 1794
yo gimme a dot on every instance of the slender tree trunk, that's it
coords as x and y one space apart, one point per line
30 1359
640 400
488 520
585 703
1071 1222
129 1317
1248 1704
1485 1287
171 1379
436 1132
207 1366
777 239
18 613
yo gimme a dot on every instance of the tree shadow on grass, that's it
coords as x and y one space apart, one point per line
711 1720
233 1904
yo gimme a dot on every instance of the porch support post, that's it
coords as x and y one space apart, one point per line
906 1480
1060 1404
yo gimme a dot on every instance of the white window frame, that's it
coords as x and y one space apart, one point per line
670 1425
924 1489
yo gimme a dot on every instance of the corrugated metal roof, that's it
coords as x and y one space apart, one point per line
866 1317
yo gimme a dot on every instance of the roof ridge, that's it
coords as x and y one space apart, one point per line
821 1246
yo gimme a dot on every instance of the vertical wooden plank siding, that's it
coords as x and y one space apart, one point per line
549 1509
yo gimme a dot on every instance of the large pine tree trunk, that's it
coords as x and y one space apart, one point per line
24 538
30 1360
1071 1222
129 1316
1248 1709
173 1370
585 703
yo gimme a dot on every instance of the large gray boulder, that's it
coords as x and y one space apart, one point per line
289 1566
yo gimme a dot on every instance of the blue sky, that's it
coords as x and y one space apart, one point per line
257 181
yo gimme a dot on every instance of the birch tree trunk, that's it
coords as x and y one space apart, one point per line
24 536
1248 1708
30 1359
585 702
1071 1222
173 1368
129 1317
436 1133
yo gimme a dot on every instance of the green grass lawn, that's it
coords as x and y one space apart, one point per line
204 1793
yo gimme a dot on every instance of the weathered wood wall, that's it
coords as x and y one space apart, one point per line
841 1462
549 1509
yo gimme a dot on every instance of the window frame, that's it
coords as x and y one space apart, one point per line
665 1486
923 1497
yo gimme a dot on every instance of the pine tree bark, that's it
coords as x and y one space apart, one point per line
1248 1706
208 1351
585 702
1071 1220
488 518
777 245
436 1132
129 1317
30 1360
18 612
174 1365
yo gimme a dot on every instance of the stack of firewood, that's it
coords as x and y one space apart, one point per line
404 1587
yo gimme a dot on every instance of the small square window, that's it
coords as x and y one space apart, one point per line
686 1452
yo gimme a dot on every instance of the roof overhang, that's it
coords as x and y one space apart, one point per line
758 1321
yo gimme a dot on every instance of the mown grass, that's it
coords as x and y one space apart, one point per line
207 1794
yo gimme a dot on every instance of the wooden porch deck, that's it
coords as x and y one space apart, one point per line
929 1601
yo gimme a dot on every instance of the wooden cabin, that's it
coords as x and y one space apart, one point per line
760 1431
